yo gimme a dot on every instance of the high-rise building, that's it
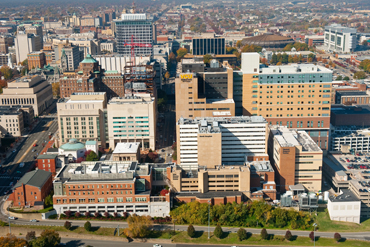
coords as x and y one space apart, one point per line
213 142
138 26
203 46
132 119
295 157
3 44
297 96
24 44
340 39
207 93
73 53
81 117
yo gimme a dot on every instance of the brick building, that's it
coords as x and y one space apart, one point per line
47 162
36 59
32 188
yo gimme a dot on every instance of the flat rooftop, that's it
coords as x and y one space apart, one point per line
292 138
346 196
126 148
223 120
339 28
343 109
294 69
260 166
352 93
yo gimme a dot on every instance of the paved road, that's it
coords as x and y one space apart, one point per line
26 153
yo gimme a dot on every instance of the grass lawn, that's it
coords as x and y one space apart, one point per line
326 225
232 239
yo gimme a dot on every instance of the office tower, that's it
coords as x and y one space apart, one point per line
37 31
24 44
213 142
203 46
3 45
295 157
132 119
81 117
138 26
296 96
340 39
207 93
72 53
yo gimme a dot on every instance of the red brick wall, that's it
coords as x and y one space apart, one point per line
43 164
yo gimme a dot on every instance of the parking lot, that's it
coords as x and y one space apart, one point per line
359 161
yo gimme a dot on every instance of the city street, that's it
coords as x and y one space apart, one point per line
25 153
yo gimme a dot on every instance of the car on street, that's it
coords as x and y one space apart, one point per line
157 245
35 145
162 150
18 172
12 218
34 220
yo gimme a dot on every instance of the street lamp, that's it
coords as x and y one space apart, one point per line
314 229
209 217
174 220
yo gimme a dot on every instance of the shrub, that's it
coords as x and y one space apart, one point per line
312 236
106 214
87 226
97 214
218 231
191 231
242 234
87 214
125 215
115 215
68 213
67 225
337 237
31 235
288 235
77 214
52 217
264 234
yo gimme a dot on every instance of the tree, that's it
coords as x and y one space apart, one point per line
365 43
79 160
31 235
164 192
218 231
279 63
92 156
6 72
96 214
365 65
56 89
68 213
339 78
242 234
87 226
77 214
346 78
264 234
138 226
172 57
288 235
67 225
239 43
285 58
311 236
290 59
48 238
25 63
191 231
106 214
167 75
49 199
181 53
231 50
337 237
207 58
274 59
12 241
359 75
87 214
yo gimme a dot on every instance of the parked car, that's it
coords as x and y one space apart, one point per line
34 220
12 218
157 245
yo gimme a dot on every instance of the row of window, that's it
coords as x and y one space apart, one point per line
92 200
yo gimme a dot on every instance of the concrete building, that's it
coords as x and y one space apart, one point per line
81 117
346 115
350 139
203 46
207 93
127 151
344 207
73 54
212 142
132 119
28 90
88 46
11 121
36 59
8 60
297 96
32 189
24 44
295 157
109 186
109 46
72 150
352 97
118 62
340 39
139 26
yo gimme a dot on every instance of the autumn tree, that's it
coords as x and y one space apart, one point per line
12 241
172 57
239 43
207 58
138 226
31 235
359 75
6 72
56 89
25 63
92 156
181 53
231 50
167 75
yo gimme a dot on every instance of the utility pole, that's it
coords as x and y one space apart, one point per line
209 217
314 238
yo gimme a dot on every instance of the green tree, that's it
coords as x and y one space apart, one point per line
191 231
87 226
365 65
181 53
359 75
49 199
92 156
264 234
242 234
25 63
231 50
274 59
23 71
285 58
339 78
48 238
6 72
207 58
346 78
218 231
31 235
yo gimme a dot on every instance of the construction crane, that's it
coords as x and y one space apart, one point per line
133 45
